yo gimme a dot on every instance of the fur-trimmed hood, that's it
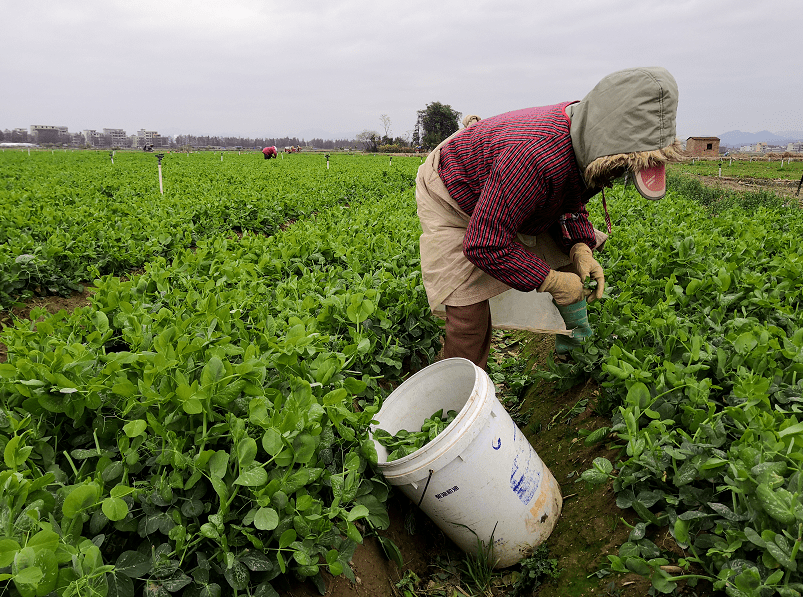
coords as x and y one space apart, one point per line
599 172
627 120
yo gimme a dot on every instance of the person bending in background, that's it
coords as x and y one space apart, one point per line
502 202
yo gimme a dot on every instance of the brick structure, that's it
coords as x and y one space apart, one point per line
703 146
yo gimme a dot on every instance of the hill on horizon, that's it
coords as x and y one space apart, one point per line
736 138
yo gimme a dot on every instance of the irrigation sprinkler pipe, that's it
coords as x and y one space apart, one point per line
159 157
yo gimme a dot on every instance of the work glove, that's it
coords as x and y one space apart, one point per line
586 266
566 288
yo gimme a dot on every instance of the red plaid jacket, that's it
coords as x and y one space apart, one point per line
513 173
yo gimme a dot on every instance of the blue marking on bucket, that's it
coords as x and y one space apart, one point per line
498 444
524 479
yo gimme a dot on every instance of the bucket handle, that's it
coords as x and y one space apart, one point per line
425 487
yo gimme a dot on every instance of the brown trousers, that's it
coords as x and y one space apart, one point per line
468 333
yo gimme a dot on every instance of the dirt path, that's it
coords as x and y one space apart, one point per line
787 188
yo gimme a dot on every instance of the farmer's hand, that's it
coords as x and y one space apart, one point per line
586 266
565 287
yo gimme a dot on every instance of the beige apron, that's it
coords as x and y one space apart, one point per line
450 278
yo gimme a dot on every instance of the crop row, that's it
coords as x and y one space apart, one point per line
202 426
66 218
699 349
747 168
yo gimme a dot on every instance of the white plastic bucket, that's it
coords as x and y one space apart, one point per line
480 477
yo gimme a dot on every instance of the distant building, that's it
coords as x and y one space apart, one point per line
75 139
108 138
92 138
116 137
19 135
761 147
145 138
41 133
798 147
703 146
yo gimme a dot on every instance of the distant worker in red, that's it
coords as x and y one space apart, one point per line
270 152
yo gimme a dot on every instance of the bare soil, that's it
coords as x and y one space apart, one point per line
53 304
786 188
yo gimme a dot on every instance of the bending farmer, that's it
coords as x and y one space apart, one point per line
502 202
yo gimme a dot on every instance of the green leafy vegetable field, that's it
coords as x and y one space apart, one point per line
201 427
698 347
743 167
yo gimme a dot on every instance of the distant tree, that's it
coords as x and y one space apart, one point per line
386 140
436 122
322 143
369 140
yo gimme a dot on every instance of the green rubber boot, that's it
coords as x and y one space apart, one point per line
576 318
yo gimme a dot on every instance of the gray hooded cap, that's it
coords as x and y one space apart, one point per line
628 111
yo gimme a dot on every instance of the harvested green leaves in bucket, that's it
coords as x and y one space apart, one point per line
406 442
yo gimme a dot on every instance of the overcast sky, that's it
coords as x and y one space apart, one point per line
330 69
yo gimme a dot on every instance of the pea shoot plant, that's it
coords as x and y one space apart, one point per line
202 428
68 217
404 442
698 347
